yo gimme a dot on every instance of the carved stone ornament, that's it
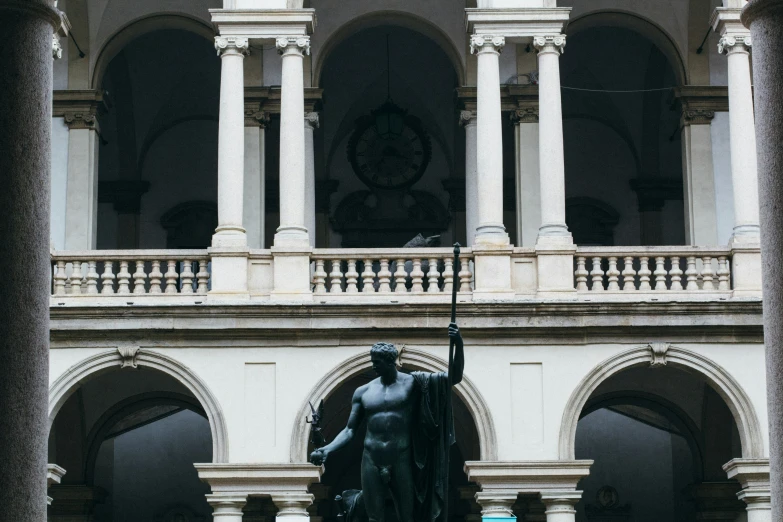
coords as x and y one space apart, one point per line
128 356
57 48
467 118
525 115
550 43
479 42
256 118
81 120
697 116
658 352
734 43
228 44
287 44
312 119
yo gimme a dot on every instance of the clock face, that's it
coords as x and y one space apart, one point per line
388 159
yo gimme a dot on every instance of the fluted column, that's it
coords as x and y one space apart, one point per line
489 150
231 142
227 508
25 164
468 120
742 137
550 130
293 227
311 123
560 505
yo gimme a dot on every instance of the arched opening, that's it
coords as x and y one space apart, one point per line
159 138
388 136
343 468
622 141
128 440
659 437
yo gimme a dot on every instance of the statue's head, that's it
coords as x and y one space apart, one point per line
384 357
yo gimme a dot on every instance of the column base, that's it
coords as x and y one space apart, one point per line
229 236
554 235
491 234
292 237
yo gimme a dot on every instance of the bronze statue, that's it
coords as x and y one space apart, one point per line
409 433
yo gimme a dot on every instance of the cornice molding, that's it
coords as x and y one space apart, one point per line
699 103
79 108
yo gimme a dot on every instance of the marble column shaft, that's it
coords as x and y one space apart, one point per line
25 163
81 204
765 19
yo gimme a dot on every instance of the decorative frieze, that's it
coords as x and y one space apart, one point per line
293 44
550 43
486 43
231 44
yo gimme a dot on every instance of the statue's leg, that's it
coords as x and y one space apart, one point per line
402 487
373 489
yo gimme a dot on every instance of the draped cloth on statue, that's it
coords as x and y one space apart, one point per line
433 435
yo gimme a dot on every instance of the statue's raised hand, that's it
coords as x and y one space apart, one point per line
318 457
454 334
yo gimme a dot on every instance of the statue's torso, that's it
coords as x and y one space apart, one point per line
389 414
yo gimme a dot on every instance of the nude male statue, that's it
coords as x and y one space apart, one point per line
409 433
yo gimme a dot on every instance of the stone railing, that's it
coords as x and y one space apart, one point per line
130 272
652 269
428 271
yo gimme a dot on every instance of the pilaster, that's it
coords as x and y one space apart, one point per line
54 475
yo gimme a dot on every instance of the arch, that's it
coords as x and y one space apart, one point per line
398 18
466 391
141 26
721 381
91 367
638 24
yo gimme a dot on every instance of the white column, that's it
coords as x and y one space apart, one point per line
227 508
81 193
550 128
742 138
496 503
560 505
231 142
311 123
699 187
528 184
293 227
255 179
468 120
292 507
489 151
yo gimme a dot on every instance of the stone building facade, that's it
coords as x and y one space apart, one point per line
233 185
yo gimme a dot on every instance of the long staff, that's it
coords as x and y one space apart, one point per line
445 513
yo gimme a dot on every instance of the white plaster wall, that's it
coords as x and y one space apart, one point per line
59 181
721 161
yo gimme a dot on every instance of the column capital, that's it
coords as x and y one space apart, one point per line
485 43
57 48
312 120
293 45
734 43
467 117
496 503
232 45
256 118
292 504
560 502
697 116
525 115
550 44
226 506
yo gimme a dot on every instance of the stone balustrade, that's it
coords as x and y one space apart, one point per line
429 271
652 269
130 272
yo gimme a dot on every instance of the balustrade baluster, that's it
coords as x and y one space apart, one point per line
691 275
351 277
76 278
139 277
660 274
171 277
581 274
417 277
597 275
724 274
613 274
448 275
629 274
319 277
399 277
59 278
432 276
384 277
336 278
107 278
91 278
707 275
123 279
368 278
676 274
644 274
187 277
155 278
203 276
465 275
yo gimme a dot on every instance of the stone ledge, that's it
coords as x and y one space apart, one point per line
259 479
530 476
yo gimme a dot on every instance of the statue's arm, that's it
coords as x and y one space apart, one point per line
320 455
458 364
